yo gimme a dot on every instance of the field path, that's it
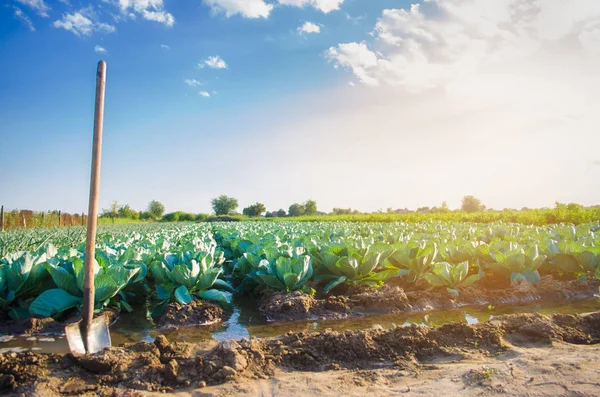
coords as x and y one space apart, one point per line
564 369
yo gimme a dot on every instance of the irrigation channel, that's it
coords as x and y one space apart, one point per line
245 320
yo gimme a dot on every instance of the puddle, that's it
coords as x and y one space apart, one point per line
246 321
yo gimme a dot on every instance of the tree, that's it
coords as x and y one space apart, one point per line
296 210
254 210
126 211
112 211
156 209
310 207
224 205
281 213
472 204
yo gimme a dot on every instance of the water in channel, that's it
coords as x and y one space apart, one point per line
244 320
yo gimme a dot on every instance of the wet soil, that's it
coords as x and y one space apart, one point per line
195 313
47 325
393 299
165 366
281 306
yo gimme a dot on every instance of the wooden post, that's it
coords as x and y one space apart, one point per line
2 219
59 217
23 219
90 246
82 219
42 225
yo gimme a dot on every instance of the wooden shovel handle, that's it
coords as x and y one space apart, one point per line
90 246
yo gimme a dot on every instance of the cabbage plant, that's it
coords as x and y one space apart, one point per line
584 264
178 277
68 276
444 274
339 264
285 274
413 260
515 264
23 277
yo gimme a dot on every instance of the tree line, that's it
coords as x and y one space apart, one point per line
225 205
228 206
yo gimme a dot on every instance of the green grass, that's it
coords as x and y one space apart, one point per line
561 214
120 221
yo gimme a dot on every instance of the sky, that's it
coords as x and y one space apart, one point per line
368 104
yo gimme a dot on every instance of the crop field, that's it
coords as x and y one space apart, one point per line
196 274
213 261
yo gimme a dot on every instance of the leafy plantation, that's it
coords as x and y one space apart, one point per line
163 263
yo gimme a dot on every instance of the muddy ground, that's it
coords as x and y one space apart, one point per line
300 306
390 299
48 325
197 312
557 353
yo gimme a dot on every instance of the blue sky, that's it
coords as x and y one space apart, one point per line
364 104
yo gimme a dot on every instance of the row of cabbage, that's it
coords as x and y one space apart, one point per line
175 263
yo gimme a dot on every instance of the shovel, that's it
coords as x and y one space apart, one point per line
91 335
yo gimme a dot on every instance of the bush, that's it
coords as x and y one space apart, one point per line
224 218
179 216
147 216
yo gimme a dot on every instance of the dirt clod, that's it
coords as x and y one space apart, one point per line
195 313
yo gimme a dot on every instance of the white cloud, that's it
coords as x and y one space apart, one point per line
309 27
323 5
20 15
204 94
357 56
262 9
214 62
159 16
151 10
165 47
100 50
511 85
81 25
460 45
246 8
38 5
192 82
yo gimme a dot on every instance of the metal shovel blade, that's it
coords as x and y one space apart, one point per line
97 338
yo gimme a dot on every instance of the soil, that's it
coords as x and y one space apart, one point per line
281 306
390 299
563 370
47 325
383 359
195 313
